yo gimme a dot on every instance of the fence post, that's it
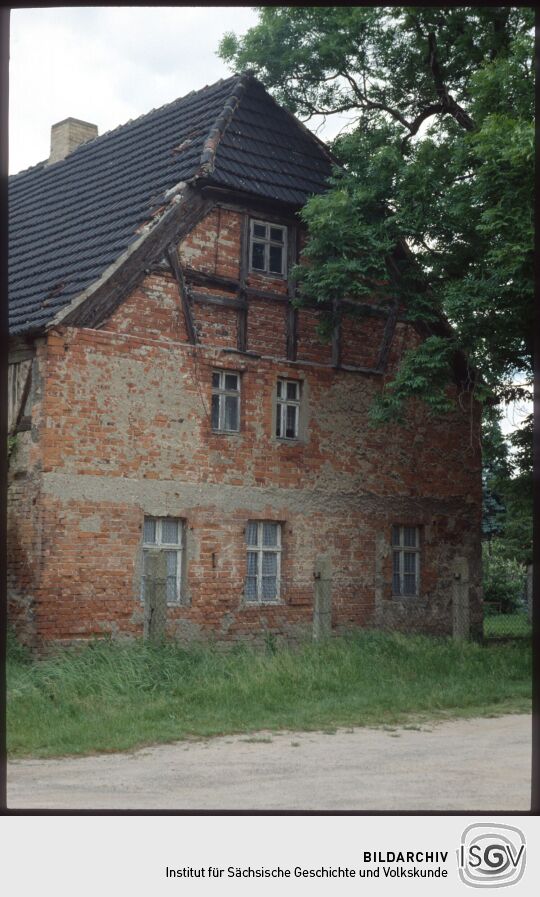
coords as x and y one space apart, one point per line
322 599
155 596
460 600
529 591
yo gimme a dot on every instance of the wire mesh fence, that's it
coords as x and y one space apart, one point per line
501 625
323 603
506 619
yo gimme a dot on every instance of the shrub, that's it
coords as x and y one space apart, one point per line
504 580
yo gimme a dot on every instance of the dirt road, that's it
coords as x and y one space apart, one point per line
474 764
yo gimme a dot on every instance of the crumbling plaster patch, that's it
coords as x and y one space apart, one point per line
90 524
166 496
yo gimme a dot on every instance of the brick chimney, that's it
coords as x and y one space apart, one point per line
68 134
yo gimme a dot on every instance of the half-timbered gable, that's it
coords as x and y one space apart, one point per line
174 409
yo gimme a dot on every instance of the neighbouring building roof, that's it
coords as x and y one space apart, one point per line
69 221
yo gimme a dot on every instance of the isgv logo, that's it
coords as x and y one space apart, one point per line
491 855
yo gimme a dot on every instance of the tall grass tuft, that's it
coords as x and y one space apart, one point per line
115 696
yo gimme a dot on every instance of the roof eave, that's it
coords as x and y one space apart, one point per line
88 308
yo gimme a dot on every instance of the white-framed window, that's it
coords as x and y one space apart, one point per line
167 535
225 402
288 409
405 560
263 540
268 248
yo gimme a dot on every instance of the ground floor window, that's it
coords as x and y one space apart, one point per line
165 534
406 560
263 540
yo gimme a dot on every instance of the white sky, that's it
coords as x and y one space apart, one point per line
107 65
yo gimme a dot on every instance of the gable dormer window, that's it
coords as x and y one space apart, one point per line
268 248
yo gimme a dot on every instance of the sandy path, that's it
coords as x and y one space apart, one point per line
472 764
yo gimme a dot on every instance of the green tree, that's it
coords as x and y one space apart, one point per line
507 489
496 469
504 580
437 164
517 495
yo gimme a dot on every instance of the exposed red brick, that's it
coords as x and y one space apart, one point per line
121 428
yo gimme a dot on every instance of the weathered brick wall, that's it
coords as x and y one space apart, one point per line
360 340
127 433
25 546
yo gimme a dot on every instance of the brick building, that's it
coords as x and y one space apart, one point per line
168 399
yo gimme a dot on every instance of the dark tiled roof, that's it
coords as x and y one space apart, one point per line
261 153
71 220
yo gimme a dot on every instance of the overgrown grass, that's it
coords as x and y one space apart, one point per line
114 696
507 626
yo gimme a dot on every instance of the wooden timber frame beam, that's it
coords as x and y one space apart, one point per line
201 278
291 321
336 333
254 205
176 268
97 303
153 251
389 312
388 336
283 213
242 320
20 422
223 301
392 317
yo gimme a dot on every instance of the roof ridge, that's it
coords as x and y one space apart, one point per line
218 128
130 121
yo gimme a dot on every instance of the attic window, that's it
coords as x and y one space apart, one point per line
267 248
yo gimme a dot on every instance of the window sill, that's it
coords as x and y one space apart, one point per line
269 274
180 603
226 432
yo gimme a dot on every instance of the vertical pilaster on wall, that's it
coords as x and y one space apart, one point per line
155 596
336 333
322 598
292 312
460 600
241 342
